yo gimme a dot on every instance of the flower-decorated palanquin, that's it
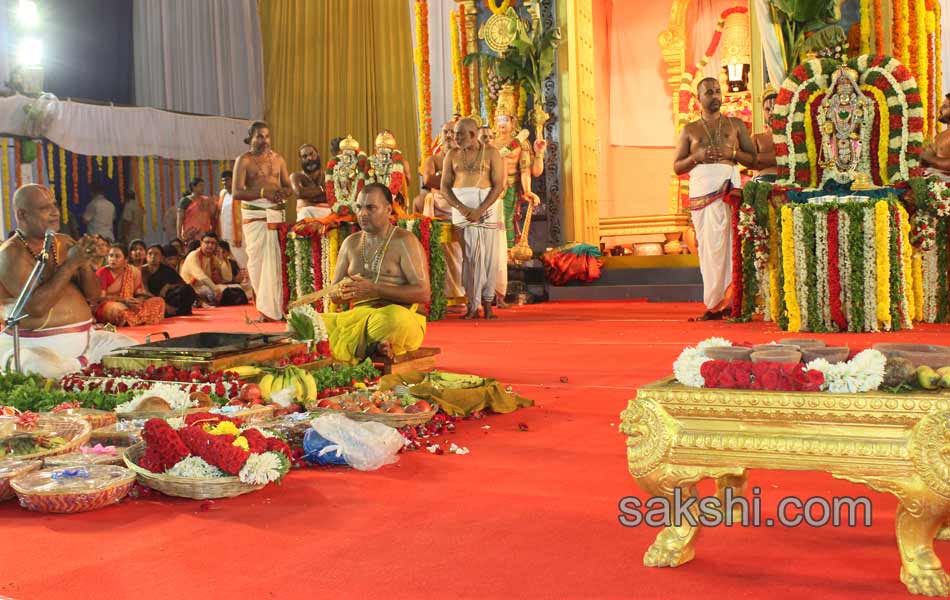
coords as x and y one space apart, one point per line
843 240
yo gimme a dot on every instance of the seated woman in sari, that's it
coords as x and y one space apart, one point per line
124 300
163 281
137 251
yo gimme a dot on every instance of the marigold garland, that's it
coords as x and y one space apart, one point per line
17 159
908 297
423 91
40 159
464 71
878 28
6 173
883 132
788 269
151 195
75 182
919 58
110 166
333 248
139 174
865 26
810 146
882 261
121 173
64 196
183 184
50 166
89 169
456 62
918 280
161 188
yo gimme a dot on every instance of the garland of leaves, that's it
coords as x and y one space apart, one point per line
437 270
811 272
291 270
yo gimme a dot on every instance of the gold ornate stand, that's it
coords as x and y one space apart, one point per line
900 444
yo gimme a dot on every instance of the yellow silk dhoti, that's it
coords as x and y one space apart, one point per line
354 333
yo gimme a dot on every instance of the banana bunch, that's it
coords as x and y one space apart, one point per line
246 371
302 381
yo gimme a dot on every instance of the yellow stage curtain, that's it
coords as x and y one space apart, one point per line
338 67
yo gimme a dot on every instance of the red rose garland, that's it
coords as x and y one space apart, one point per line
772 376
733 201
284 278
164 447
216 450
834 274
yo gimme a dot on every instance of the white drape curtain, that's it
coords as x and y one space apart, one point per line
98 130
701 18
771 46
440 59
199 56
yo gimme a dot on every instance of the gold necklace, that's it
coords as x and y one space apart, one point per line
374 264
712 141
473 166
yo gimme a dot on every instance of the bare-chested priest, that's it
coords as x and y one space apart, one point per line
381 274
709 150
432 203
308 185
58 336
937 157
473 179
261 183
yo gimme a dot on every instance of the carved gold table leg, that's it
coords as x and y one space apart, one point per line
675 544
919 517
739 484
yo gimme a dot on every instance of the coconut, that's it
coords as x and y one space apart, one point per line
897 370
153 404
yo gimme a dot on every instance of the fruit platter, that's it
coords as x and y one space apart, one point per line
36 436
387 407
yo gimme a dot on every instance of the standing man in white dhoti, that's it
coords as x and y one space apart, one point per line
308 185
473 179
709 149
261 183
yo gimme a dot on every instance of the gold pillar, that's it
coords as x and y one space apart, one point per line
756 71
470 23
673 48
578 114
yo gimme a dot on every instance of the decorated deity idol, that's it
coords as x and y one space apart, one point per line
845 119
521 164
388 166
346 176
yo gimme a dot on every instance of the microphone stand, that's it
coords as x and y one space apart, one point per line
19 308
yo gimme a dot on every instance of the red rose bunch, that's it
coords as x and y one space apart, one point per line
164 447
217 450
206 418
772 376
275 444
256 441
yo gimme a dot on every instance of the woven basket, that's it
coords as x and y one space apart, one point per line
78 459
158 414
97 418
10 468
75 430
110 435
392 419
196 488
51 501
255 413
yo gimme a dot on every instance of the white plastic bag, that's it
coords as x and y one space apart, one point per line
366 446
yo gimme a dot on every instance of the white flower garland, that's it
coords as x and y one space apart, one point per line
325 273
863 373
870 272
300 266
801 262
929 268
844 263
821 268
195 467
177 398
686 366
260 469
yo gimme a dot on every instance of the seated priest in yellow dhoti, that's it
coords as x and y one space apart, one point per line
381 274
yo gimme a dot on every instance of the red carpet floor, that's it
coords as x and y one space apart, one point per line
528 514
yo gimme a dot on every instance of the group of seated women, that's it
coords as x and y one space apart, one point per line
142 285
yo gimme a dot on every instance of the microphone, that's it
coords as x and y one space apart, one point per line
48 243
